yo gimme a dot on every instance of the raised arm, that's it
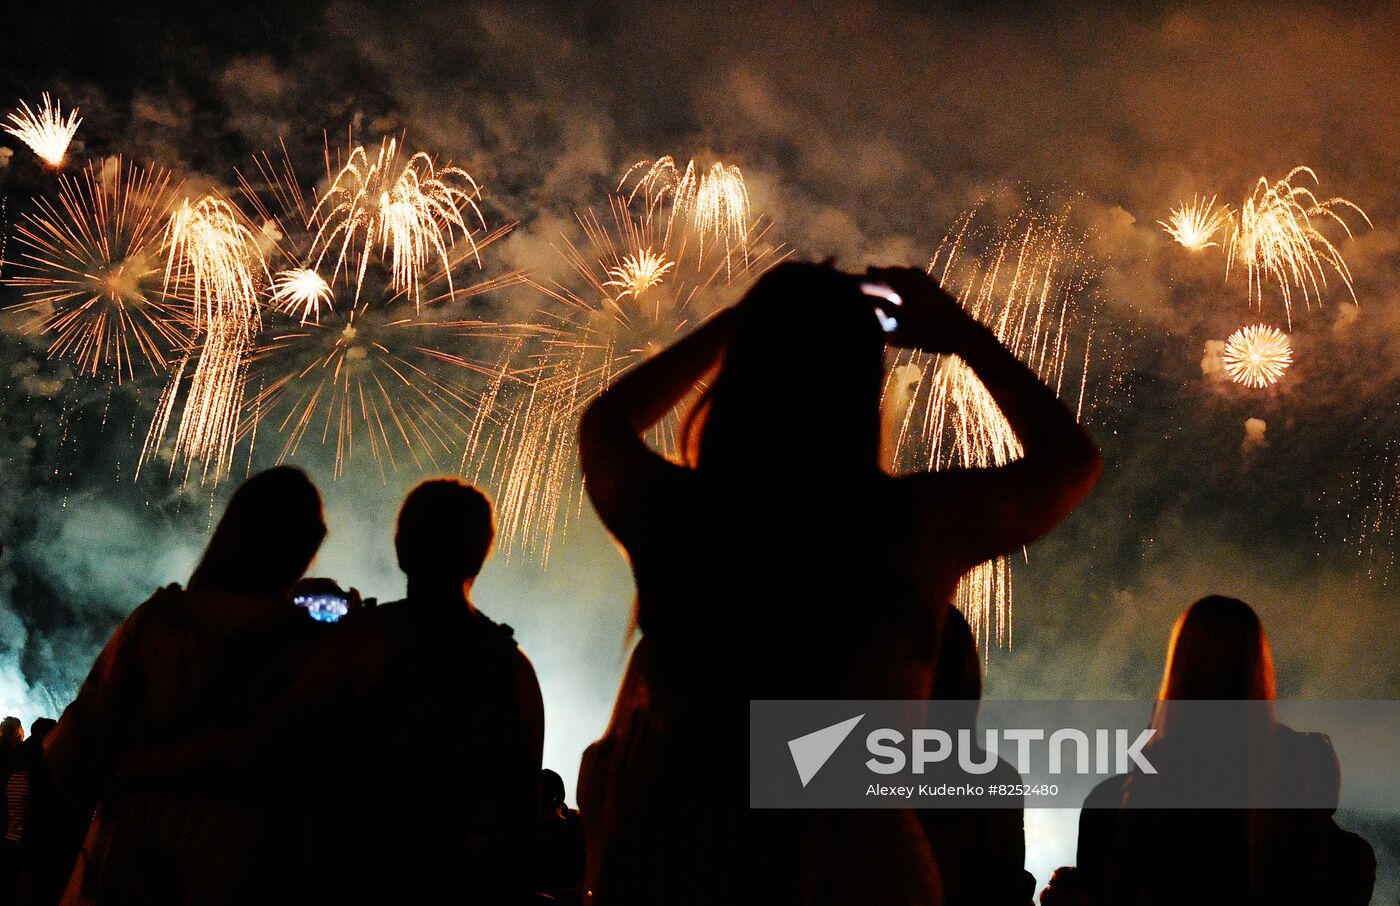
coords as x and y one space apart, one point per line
1001 508
617 464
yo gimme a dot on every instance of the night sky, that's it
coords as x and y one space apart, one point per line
864 129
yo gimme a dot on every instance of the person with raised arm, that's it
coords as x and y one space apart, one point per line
779 561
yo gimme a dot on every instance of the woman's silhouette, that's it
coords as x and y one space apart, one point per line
187 661
782 562
1135 847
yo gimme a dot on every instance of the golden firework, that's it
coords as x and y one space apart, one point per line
1276 237
1257 356
215 259
46 131
637 273
639 281
301 291
91 272
408 211
711 205
1195 225
345 363
1026 282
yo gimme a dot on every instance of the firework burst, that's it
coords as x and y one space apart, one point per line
1195 225
301 291
640 279
1027 286
406 209
712 205
346 363
1276 237
1257 356
45 131
91 272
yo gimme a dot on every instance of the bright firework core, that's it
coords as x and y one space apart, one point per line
45 130
1257 356
1194 225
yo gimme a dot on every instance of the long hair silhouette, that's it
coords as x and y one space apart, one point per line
267 537
801 379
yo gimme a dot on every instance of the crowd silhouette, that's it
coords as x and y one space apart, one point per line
227 748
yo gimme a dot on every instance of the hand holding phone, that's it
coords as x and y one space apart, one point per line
884 310
324 600
929 318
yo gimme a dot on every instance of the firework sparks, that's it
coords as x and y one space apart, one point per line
713 204
45 131
1277 239
301 291
1257 356
1026 287
91 273
637 273
345 363
373 376
1195 225
638 284
214 257
409 210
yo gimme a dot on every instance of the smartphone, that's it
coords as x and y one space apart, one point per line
326 608
888 322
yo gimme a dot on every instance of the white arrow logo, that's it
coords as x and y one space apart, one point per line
812 751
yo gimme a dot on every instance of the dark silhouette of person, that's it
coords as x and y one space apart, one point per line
450 803
461 812
1135 848
43 826
11 740
559 856
210 655
780 562
981 852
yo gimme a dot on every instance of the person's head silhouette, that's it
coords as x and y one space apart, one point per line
1218 650
444 534
801 378
551 790
267 537
41 727
11 732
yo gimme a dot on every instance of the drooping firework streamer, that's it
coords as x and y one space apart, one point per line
1027 281
1277 240
215 262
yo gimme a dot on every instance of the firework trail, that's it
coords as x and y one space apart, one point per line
1195 225
1276 238
344 361
407 210
45 131
91 272
215 260
1027 284
641 277
712 205
1257 356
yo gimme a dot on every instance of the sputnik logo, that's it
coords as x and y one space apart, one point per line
811 752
